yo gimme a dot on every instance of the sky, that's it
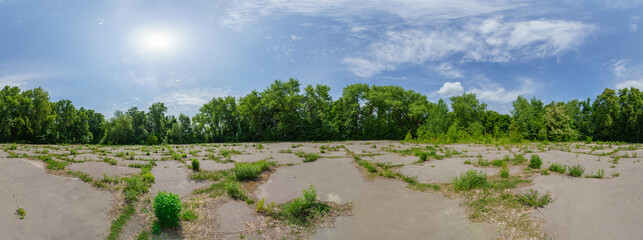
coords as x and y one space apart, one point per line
113 55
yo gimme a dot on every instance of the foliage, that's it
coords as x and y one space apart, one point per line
283 112
21 213
195 164
470 180
535 161
300 210
167 207
576 170
504 172
250 171
559 168
534 199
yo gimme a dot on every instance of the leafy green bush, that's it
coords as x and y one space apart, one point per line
470 180
12 147
167 207
301 210
534 199
195 164
535 161
576 170
423 156
559 168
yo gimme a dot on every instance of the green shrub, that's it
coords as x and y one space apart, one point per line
576 170
195 164
167 207
423 156
301 210
73 152
504 173
12 147
533 198
266 209
470 180
559 168
535 161
483 162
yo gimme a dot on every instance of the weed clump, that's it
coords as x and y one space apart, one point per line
167 207
535 161
534 199
250 171
559 168
300 210
576 170
599 174
518 159
470 180
504 172
195 164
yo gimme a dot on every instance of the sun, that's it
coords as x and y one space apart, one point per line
156 41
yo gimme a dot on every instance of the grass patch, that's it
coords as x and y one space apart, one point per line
559 168
110 161
51 163
599 174
301 210
250 171
533 198
470 180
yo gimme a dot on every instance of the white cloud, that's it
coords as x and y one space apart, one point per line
496 94
489 40
451 89
364 68
447 70
18 80
295 37
244 12
627 77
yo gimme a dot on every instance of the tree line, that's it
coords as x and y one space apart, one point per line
282 112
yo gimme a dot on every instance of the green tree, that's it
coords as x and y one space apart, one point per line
156 122
558 124
606 110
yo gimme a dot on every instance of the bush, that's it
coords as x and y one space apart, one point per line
470 180
535 161
533 198
423 156
559 168
167 207
576 170
504 173
300 210
195 164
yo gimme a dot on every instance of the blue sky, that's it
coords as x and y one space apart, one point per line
111 55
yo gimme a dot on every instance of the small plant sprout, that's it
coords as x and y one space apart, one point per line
21 212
